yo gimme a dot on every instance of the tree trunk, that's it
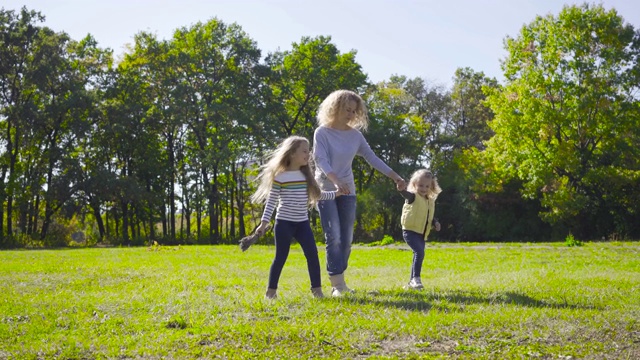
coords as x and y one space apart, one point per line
116 220
186 211
172 192
152 224
48 211
164 220
210 188
3 195
240 205
125 221
22 218
232 187
95 205
13 156
34 216
182 222
198 210
132 222
212 217
215 207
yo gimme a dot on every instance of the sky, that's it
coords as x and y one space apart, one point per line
428 39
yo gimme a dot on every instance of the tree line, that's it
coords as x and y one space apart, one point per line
162 143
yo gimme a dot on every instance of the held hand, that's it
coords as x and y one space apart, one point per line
401 185
437 226
343 188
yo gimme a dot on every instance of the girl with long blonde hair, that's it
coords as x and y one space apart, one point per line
286 185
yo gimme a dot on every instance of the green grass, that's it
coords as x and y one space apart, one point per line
545 301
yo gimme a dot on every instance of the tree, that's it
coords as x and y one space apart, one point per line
567 121
19 37
401 111
469 122
216 72
469 214
66 105
302 77
123 161
47 98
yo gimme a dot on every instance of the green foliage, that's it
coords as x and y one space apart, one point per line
465 213
469 124
571 241
386 240
410 112
483 215
372 214
567 119
301 78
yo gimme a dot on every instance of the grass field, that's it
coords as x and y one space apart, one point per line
492 301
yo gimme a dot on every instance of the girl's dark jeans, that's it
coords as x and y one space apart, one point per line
416 243
285 231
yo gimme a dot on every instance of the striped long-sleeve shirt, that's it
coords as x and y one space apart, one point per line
288 196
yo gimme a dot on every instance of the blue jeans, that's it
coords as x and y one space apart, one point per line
416 243
337 218
285 231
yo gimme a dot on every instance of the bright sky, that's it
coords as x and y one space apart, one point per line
428 39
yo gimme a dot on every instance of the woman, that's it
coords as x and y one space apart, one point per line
337 140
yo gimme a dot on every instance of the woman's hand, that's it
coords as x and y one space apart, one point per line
401 185
343 188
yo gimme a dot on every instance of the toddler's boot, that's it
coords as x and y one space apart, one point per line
415 283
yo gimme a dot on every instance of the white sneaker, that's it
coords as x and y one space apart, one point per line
335 292
415 283
339 291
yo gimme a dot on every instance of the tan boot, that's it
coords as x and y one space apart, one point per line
317 292
271 294
339 287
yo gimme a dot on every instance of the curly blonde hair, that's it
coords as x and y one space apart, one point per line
336 102
434 188
277 161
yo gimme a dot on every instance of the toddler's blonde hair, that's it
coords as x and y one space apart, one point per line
337 101
434 188
277 161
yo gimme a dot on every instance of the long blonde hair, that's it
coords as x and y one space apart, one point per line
434 188
330 109
277 161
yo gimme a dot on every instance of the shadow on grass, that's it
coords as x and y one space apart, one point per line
451 301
